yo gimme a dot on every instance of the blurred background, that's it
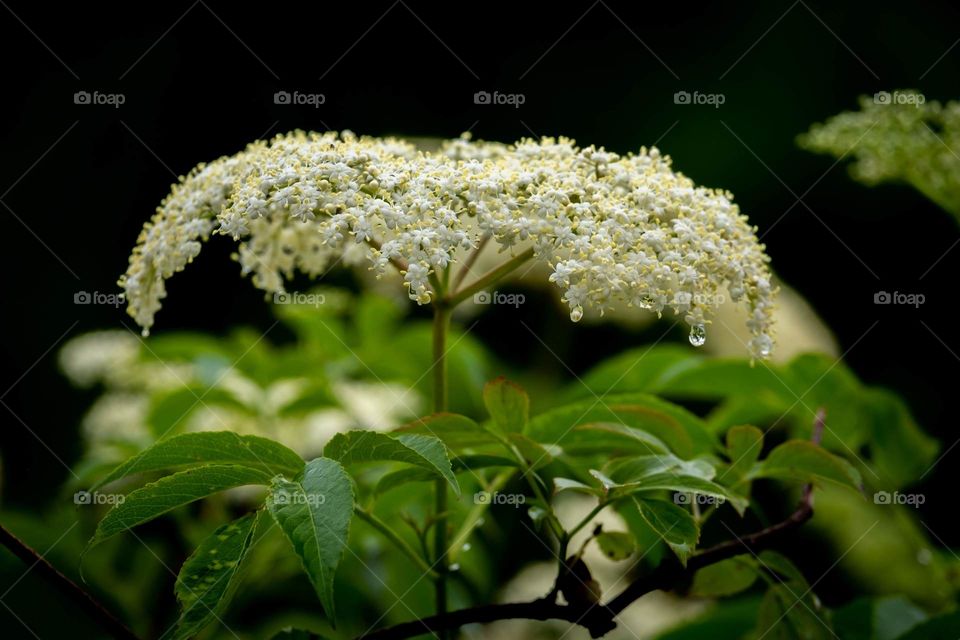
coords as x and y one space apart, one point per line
194 81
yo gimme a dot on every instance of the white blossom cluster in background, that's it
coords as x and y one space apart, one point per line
133 385
613 228
898 136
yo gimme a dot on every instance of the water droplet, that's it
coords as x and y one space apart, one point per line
466 546
455 566
576 314
698 335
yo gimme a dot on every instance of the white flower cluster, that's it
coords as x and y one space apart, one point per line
612 228
898 136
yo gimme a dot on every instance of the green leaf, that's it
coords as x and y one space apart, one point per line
401 477
940 628
673 524
682 484
508 405
790 610
744 445
616 438
616 545
724 578
568 484
899 449
885 618
783 616
734 620
314 513
804 461
534 455
683 432
209 577
296 634
718 378
480 461
456 431
210 447
640 369
426 452
634 469
168 493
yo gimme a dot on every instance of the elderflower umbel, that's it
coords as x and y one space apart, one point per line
901 137
612 228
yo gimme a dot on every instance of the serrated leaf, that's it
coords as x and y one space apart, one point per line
673 524
426 452
724 578
210 447
616 545
744 445
804 461
314 513
209 577
508 405
168 493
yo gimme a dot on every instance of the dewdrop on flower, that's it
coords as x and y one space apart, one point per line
612 228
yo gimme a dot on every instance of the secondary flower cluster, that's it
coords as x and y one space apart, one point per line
612 228
898 136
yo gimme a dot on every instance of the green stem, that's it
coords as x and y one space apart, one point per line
590 516
441 324
489 278
397 541
475 515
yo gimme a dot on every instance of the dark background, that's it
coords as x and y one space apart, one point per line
78 181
